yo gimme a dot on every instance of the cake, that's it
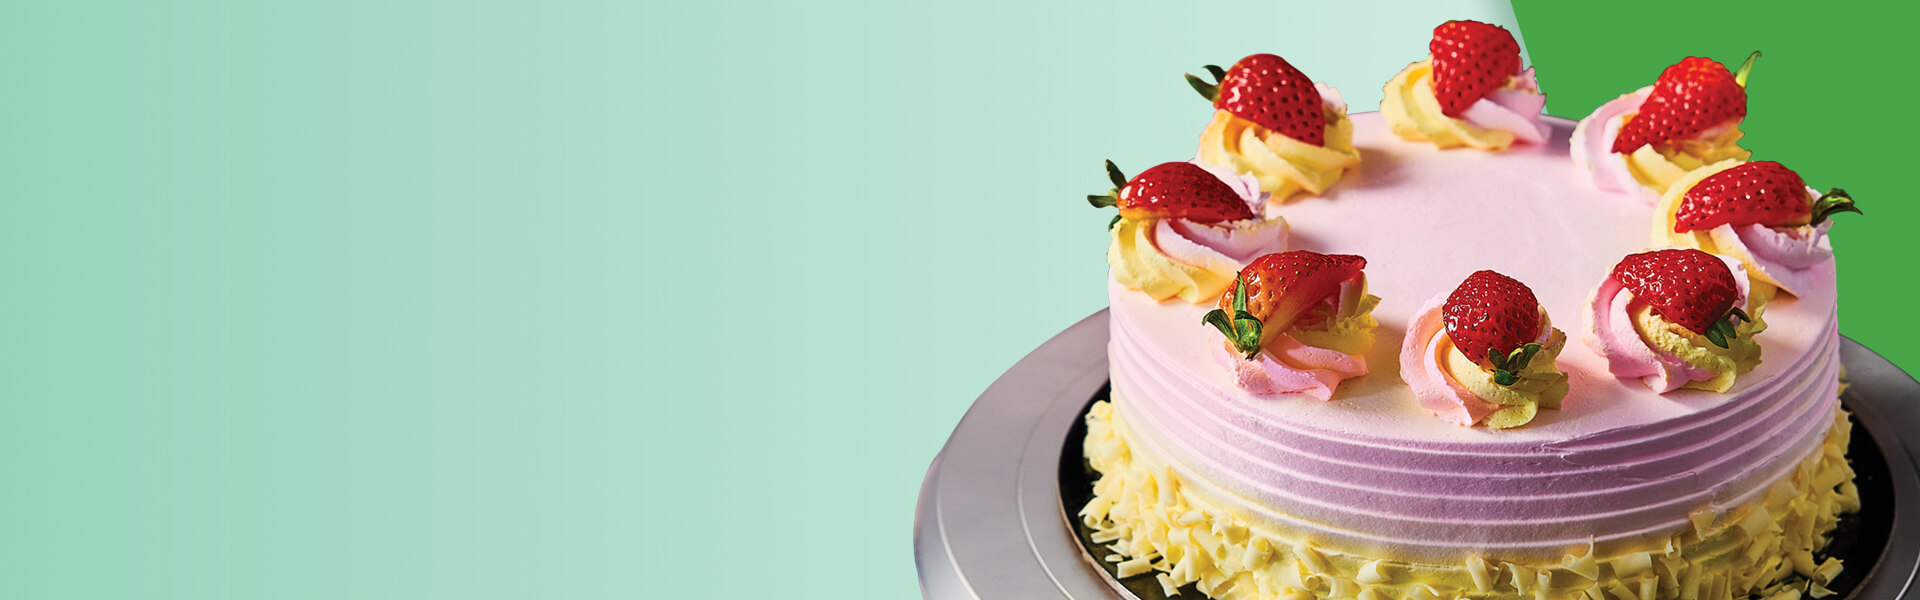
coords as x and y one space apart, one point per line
1457 364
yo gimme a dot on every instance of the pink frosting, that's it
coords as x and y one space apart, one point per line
1592 148
1421 367
1514 109
1374 471
1610 332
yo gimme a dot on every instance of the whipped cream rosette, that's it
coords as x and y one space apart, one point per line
1484 354
1470 91
1296 323
1639 144
1270 120
1760 212
1677 318
1184 230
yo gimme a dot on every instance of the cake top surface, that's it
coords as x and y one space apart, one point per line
1425 218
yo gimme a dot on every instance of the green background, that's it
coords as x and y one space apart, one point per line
635 300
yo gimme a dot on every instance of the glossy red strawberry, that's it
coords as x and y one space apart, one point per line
1175 190
1690 97
1494 320
1264 89
1685 286
1470 60
1756 193
1274 290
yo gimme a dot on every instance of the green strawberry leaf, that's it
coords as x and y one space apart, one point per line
1114 175
1207 90
1718 333
1219 320
1523 356
1505 378
1240 293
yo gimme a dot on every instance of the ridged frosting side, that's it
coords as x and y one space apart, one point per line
1156 523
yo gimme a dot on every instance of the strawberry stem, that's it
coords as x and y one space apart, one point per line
1740 76
1112 197
1242 328
1506 369
1837 200
1210 91
1723 329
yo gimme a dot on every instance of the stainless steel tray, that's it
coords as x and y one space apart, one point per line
990 522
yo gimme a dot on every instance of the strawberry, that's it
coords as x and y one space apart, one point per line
1690 97
1687 287
1761 192
1272 292
1494 320
1264 89
1175 190
1470 60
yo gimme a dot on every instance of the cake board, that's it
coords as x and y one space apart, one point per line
991 522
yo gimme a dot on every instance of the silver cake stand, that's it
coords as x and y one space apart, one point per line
990 524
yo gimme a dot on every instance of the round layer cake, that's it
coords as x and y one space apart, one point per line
1621 491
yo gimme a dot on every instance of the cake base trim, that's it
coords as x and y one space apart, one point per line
1153 525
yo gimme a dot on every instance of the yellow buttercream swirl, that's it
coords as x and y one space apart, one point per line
1413 113
1285 166
1138 264
1350 331
1660 166
1741 355
1542 384
1143 512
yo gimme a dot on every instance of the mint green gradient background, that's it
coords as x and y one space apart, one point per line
633 300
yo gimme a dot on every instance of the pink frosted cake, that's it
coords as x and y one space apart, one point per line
1451 367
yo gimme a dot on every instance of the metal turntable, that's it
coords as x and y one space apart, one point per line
992 521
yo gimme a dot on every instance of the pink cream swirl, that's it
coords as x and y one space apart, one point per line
1288 366
1228 245
1784 255
1514 109
1610 332
1592 148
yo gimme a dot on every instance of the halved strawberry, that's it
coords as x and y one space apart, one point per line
1264 89
1756 193
1470 60
1274 290
1494 319
1687 287
1175 190
1692 96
